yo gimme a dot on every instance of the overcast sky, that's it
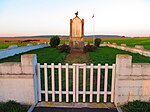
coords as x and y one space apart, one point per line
44 17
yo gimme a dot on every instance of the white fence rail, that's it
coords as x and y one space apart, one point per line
76 83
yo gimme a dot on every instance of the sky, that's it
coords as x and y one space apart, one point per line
46 17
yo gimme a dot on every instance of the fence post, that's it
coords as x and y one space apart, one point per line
123 68
29 63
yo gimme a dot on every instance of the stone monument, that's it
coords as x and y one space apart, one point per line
76 32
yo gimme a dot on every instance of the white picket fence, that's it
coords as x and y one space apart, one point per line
49 84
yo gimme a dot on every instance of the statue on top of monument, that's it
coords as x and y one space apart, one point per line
76 13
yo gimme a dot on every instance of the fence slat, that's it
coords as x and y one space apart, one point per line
113 83
53 82
60 84
84 83
74 85
39 81
91 83
98 81
46 81
105 82
77 83
67 83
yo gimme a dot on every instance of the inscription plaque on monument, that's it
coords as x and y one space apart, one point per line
76 33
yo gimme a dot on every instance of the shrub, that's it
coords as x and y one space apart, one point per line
97 42
89 48
55 41
64 48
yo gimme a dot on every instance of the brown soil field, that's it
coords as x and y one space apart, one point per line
23 39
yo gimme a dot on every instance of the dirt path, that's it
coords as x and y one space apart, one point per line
76 57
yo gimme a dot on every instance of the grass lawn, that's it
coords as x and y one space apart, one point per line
44 55
102 55
107 55
12 106
136 106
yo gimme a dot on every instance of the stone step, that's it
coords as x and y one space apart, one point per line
76 105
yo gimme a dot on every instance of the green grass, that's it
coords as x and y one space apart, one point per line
107 55
136 106
64 40
131 41
44 55
12 106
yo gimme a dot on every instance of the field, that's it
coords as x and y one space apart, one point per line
130 41
6 42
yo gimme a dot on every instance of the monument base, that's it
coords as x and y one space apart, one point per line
76 44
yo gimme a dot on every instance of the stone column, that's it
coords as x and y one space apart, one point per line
123 68
132 80
29 63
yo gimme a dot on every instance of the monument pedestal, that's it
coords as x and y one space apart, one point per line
76 44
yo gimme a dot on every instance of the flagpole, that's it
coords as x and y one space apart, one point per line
93 26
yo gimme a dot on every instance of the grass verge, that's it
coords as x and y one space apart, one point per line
12 106
136 106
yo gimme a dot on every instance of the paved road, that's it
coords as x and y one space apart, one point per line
60 109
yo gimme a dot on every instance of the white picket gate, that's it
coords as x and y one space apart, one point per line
78 80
